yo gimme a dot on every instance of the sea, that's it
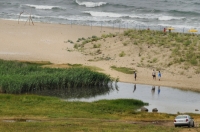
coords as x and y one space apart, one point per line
182 15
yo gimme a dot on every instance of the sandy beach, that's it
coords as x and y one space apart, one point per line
49 42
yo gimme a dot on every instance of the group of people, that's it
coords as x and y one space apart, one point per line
153 74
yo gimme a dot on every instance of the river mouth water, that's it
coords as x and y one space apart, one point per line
166 100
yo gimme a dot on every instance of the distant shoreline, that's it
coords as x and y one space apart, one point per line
117 26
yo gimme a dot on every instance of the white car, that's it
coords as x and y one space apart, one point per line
184 120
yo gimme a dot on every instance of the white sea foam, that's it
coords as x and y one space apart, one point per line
168 18
89 18
26 15
42 7
105 14
90 4
118 15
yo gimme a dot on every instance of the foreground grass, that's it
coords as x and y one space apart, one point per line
53 114
82 125
32 105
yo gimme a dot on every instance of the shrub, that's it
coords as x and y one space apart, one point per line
96 45
193 61
188 42
154 60
104 36
76 46
122 54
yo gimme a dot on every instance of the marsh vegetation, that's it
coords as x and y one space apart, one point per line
23 77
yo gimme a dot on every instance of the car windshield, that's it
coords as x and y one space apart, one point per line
181 117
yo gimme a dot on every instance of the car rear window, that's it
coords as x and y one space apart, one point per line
181 117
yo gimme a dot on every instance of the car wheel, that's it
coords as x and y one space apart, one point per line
175 125
189 125
193 124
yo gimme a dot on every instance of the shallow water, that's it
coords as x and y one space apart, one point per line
168 100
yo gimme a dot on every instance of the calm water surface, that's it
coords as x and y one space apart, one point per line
167 100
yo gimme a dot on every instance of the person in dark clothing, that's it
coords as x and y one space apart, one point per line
135 75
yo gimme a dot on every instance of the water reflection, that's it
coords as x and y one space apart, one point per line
134 88
153 90
158 89
86 92
170 101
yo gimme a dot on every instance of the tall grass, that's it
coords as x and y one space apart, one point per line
18 77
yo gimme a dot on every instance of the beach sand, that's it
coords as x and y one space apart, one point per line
49 42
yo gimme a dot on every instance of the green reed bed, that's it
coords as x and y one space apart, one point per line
18 77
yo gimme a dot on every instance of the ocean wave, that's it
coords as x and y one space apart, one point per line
90 4
75 18
184 12
196 3
43 7
81 18
105 14
118 15
6 3
25 15
168 18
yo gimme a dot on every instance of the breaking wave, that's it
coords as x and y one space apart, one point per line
43 7
168 18
90 4
105 14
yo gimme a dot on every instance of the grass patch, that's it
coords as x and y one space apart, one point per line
96 45
123 69
94 68
122 54
34 106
